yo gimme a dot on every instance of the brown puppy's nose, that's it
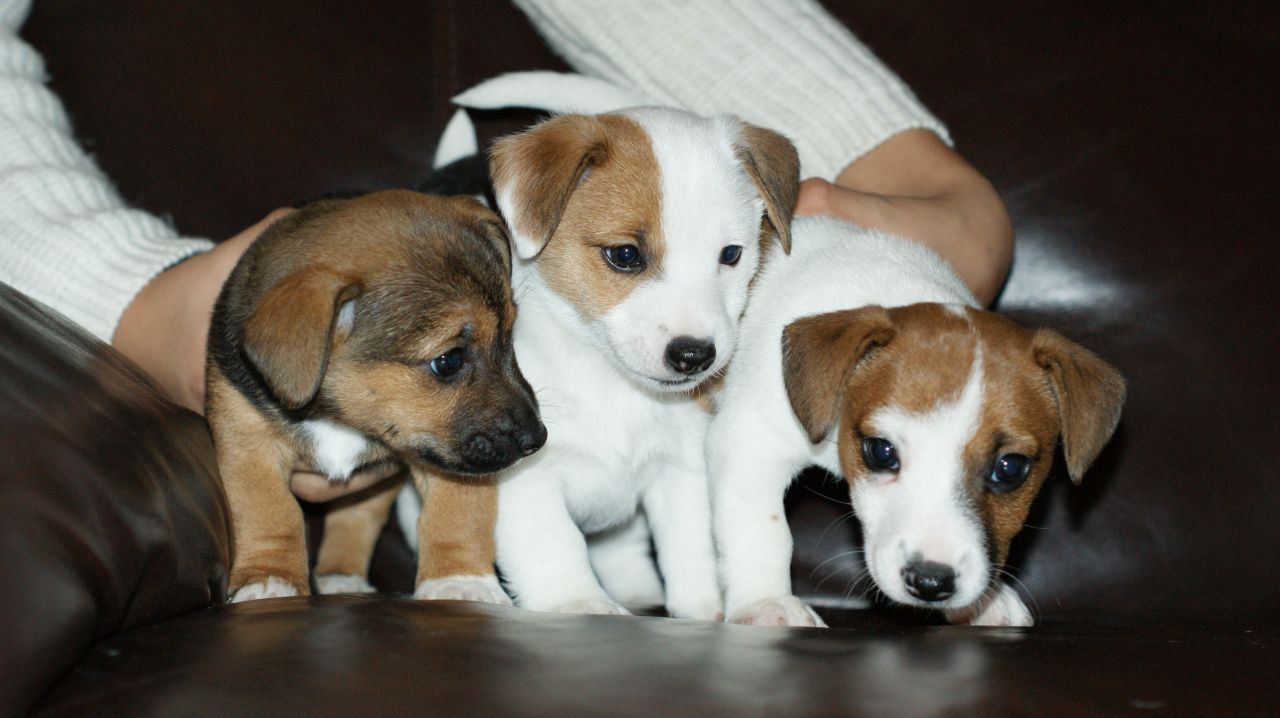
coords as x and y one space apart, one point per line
929 581
687 355
531 438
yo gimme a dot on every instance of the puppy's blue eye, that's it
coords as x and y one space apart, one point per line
448 364
624 257
1008 472
879 454
731 254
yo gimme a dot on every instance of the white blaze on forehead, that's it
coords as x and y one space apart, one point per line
708 202
924 513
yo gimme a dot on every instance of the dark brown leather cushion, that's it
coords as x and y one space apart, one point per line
111 515
346 656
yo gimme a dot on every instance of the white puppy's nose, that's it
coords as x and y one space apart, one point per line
687 355
929 581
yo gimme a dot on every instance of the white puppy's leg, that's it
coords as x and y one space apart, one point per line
749 478
999 606
679 512
542 553
623 561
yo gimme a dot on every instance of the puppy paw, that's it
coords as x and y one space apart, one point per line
784 611
597 606
272 587
343 583
999 606
710 608
483 589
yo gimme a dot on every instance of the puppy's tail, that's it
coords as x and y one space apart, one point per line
557 92
457 141
408 506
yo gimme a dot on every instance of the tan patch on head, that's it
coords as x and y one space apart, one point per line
576 185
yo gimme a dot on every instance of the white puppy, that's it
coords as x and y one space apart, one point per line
866 355
636 234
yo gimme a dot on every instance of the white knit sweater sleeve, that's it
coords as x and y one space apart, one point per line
66 237
783 64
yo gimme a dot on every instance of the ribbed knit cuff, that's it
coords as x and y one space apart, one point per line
783 64
66 237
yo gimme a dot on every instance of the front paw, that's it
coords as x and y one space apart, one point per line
596 606
710 608
343 583
482 589
784 611
270 587
999 606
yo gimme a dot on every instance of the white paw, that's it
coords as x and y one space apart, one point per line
271 588
343 583
999 606
484 589
784 611
710 608
596 606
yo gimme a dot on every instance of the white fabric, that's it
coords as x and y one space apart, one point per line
782 64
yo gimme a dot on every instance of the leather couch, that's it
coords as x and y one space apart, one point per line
1136 149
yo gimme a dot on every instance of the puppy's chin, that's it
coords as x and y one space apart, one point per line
459 466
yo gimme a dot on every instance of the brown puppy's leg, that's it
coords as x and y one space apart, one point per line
269 557
351 529
455 538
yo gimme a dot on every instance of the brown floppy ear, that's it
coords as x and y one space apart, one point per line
290 333
536 171
1089 392
819 354
773 165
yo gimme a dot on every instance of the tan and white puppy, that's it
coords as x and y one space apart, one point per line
866 355
368 335
636 235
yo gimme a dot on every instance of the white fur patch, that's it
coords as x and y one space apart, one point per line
336 449
343 583
921 515
785 611
273 587
999 606
482 589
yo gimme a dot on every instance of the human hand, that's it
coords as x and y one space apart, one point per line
915 186
165 328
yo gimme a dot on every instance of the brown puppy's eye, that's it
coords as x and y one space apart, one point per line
448 364
624 258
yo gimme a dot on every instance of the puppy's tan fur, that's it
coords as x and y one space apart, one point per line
423 276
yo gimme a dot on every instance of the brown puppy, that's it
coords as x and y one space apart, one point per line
368 335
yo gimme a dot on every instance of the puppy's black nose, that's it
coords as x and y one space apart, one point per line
531 438
690 356
929 581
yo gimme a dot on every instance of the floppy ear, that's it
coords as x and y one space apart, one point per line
290 333
536 171
773 165
1089 392
819 354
